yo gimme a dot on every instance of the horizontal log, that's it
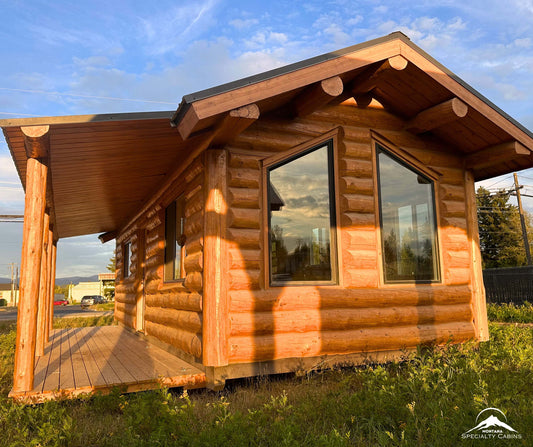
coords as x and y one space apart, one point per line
244 218
359 135
126 288
194 262
316 96
453 222
126 319
244 259
308 297
454 240
196 169
194 281
458 276
356 168
452 192
457 259
155 273
126 308
355 185
194 223
244 178
356 150
364 239
268 347
244 238
268 140
361 277
243 197
262 323
493 155
176 300
360 259
155 248
362 220
357 203
173 318
244 279
350 115
241 161
129 298
194 205
181 339
194 242
451 208
451 176
437 116
155 260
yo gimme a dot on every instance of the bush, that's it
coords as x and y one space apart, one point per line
511 313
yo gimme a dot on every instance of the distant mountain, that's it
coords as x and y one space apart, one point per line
75 280
62 281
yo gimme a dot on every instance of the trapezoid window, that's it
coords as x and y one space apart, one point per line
175 240
408 221
301 218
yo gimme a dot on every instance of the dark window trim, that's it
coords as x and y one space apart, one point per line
126 253
380 147
170 252
316 144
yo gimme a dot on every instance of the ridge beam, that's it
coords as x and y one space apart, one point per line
437 116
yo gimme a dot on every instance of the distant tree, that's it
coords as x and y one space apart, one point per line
112 266
61 290
500 232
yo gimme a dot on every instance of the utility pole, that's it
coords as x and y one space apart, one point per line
522 220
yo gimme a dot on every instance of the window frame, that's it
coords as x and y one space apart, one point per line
169 259
126 259
330 140
413 165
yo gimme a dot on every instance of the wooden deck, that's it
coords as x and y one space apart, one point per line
97 359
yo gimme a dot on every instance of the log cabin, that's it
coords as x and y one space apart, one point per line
320 212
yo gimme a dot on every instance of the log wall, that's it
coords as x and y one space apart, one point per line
362 313
173 309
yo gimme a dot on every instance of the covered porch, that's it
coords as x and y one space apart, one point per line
90 360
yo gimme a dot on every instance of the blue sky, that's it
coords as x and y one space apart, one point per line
67 58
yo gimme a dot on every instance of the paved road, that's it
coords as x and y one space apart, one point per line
74 310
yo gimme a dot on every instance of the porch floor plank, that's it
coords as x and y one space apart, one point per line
96 359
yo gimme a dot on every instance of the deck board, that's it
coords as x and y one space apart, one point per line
97 359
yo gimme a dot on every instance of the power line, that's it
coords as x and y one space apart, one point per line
44 92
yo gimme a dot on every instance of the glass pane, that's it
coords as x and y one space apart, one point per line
300 219
408 222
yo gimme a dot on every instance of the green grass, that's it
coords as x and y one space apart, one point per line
427 400
510 313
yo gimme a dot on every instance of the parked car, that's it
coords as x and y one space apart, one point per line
89 300
60 302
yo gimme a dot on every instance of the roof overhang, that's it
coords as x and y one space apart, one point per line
105 168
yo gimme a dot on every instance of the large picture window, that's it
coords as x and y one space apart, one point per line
175 240
301 217
408 222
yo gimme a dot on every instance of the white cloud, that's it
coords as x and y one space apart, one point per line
242 24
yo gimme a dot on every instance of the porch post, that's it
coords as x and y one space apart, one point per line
44 286
35 139
50 308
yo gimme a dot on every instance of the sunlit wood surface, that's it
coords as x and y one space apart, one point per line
97 359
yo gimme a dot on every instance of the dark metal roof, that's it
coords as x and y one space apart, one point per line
234 85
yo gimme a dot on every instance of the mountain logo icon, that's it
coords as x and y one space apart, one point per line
492 426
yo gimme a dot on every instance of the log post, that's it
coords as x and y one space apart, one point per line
36 141
44 286
479 304
53 255
215 305
30 273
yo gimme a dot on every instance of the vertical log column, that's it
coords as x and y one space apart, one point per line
36 143
44 289
215 306
53 255
479 304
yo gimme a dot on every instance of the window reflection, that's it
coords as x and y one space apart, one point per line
407 222
300 195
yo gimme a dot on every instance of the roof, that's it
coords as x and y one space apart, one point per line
106 168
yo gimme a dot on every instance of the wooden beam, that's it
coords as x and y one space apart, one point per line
235 122
36 141
106 237
30 274
317 95
368 79
44 285
215 330
363 100
496 154
437 116
50 309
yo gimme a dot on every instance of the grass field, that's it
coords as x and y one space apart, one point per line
428 400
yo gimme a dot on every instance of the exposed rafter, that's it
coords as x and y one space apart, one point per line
235 122
437 116
106 237
317 95
36 141
368 79
496 154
